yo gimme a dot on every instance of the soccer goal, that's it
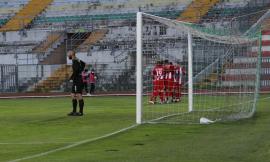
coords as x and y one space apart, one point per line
187 73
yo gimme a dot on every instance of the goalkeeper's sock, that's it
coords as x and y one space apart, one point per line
74 104
81 104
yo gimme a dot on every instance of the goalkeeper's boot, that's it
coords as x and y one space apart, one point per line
72 114
79 114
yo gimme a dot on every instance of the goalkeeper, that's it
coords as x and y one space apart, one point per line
77 84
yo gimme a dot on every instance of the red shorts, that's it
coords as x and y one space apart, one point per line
176 85
169 84
158 90
158 85
177 90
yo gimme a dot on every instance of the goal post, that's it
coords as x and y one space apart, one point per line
139 92
187 73
190 73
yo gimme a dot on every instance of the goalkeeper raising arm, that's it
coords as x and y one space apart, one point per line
77 86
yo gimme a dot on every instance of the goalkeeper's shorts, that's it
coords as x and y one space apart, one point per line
77 86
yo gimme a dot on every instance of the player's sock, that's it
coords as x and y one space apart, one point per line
166 95
152 99
161 96
74 104
81 104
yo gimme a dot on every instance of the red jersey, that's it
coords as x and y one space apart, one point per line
158 73
84 76
169 72
179 73
92 77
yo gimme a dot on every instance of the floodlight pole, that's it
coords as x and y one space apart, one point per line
190 73
139 69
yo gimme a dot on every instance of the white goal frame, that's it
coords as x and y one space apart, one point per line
139 81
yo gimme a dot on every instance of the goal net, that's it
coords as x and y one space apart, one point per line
187 73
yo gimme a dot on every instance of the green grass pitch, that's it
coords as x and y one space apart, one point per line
34 126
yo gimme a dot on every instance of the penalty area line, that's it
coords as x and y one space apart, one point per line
264 98
75 144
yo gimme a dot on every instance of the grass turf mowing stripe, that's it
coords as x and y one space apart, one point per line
60 96
74 144
34 143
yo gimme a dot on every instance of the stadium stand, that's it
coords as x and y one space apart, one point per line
53 45
196 10
56 53
79 7
51 39
235 12
78 10
26 15
9 8
220 16
61 12
265 76
54 81
93 38
107 33
247 65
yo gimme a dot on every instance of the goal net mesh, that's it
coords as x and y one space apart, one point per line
225 73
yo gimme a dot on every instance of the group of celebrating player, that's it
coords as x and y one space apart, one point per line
167 82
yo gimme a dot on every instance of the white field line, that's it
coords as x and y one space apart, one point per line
74 144
265 98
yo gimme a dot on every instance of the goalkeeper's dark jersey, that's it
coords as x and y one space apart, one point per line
76 77
77 67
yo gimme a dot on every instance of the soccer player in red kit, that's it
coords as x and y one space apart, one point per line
179 72
169 81
166 67
158 83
